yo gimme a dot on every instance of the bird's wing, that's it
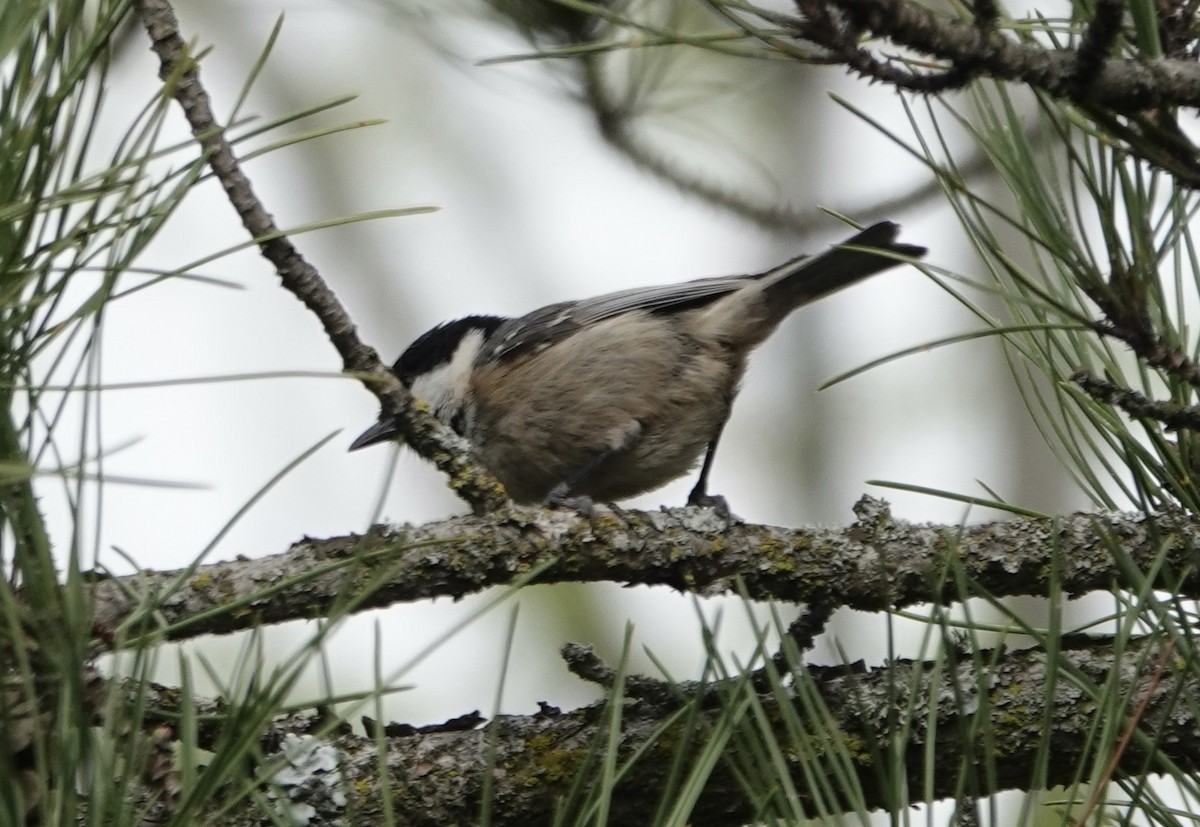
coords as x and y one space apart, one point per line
551 324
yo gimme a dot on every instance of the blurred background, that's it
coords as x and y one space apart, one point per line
534 207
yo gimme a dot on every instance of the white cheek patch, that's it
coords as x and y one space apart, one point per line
444 389
432 387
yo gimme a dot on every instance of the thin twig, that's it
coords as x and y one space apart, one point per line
1171 414
433 441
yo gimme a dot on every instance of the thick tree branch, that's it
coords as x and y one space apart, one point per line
875 564
1015 705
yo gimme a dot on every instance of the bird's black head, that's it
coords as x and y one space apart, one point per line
429 370
436 347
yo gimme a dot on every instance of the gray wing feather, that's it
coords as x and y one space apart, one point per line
546 326
823 274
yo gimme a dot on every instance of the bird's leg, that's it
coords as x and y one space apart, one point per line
560 496
700 496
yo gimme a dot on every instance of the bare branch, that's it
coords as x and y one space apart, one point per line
421 431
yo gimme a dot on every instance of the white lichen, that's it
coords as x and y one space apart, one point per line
309 784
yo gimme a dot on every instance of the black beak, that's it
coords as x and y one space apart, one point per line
381 431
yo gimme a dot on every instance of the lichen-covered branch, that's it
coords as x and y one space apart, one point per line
874 564
1000 715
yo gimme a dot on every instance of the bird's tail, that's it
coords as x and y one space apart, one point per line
806 279
748 315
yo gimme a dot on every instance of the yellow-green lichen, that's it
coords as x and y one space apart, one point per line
778 555
856 747
1007 713
551 764
559 766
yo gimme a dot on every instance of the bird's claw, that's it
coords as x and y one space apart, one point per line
560 497
716 502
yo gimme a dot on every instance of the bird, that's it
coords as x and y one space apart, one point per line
605 398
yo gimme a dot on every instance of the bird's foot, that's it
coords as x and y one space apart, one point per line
560 497
702 499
